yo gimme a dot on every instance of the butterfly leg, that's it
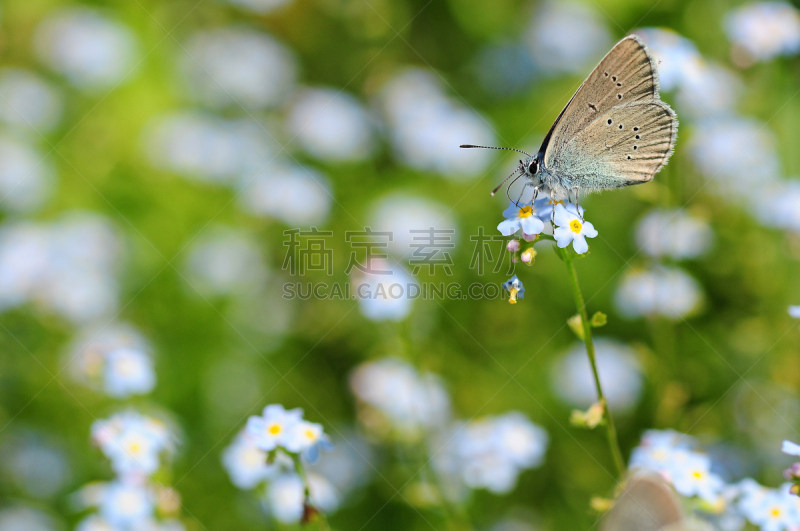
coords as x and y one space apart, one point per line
577 206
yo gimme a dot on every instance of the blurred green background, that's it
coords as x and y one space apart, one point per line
726 372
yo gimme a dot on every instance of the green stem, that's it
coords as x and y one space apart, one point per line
611 429
322 522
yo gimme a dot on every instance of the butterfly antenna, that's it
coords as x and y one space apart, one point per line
508 189
504 181
492 147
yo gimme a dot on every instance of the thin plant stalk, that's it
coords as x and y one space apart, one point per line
611 429
319 516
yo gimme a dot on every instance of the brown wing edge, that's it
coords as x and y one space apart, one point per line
653 62
673 138
656 85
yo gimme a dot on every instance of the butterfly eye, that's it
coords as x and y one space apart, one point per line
533 167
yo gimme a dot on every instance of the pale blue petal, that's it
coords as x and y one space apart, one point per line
588 230
579 244
531 225
508 227
512 211
562 216
563 236
791 448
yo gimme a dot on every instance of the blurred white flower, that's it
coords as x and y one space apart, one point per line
94 522
567 37
24 518
570 228
395 399
68 267
668 454
620 373
259 6
271 429
386 293
26 176
331 125
673 53
91 50
27 101
297 195
673 233
778 205
125 504
226 261
771 509
246 463
128 372
693 477
285 497
490 453
794 311
306 438
722 147
662 291
400 214
206 147
115 358
134 443
764 30
238 66
426 127
34 464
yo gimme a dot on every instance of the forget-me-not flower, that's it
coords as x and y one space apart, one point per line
570 228
520 217
270 429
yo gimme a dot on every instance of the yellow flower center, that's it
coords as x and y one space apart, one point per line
513 299
575 226
525 212
274 429
697 474
135 448
775 512
311 435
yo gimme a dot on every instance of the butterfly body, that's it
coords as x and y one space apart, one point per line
614 132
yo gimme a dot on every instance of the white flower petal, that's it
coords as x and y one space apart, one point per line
791 448
579 244
509 226
563 217
588 230
794 311
531 225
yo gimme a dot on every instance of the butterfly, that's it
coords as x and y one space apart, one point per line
649 504
614 132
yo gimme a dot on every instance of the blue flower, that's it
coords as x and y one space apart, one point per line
522 217
515 288
570 228
270 430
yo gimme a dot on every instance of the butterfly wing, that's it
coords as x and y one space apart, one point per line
646 504
627 145
626 74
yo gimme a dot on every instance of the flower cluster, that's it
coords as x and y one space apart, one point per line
265 456
138 446
277 429
672 455
490 453
134 443
115 359
394 400
764 30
